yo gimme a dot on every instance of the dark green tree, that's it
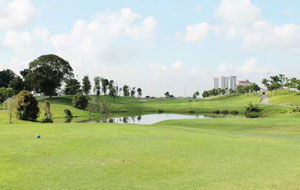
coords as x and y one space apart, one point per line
46 74
196 94
17 84
5 77
126 90
104 83
80 101
97 86
72 87
112 88
86 85
139 91
132 92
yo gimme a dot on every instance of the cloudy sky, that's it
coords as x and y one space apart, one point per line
156 45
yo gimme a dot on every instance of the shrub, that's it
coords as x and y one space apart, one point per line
191 111
68 113
234 112
294 109
27 106
216 112
253 111
80 101
225 112
160 111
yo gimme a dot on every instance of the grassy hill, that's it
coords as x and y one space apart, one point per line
284 97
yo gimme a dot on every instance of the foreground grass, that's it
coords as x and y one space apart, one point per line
184 154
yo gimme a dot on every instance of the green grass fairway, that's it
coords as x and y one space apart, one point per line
185 154
220 153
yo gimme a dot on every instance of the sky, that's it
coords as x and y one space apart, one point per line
171 45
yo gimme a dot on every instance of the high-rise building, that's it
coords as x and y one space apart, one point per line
226 82
232 82
216 83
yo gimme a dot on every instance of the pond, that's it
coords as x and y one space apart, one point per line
147 119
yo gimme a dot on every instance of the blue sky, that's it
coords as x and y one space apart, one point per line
157 45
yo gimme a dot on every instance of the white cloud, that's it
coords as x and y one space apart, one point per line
236 12
195 32
15 14
240 19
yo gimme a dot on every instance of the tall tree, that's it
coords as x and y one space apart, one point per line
112 89
97 86
72 87
139 91
132 92
5 77
47 72
86 85
17 84
105 84
126 90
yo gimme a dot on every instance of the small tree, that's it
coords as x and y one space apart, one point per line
132 92
72 87
27 106
80 101
105 84
86 85
97 87
126 90
10 105
139 91
196 94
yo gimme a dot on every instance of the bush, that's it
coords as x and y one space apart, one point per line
294 109
80 101
27 106
234 112
225 112
160 111
253 111
68 113
216 112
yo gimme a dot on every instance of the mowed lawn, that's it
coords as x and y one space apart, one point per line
184 154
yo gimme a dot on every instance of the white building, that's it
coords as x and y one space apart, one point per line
226 82
216 83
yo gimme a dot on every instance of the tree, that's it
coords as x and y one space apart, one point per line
5 77
254 87
86 85
167 95
126 90
105 84
205 94
27 106
6 93
196 94
97 86
46 74
139 91
112 89
17 84
80 101
72 87
10 105
132 92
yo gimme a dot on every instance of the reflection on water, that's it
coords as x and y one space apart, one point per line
145 119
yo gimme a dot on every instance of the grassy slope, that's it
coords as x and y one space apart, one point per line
185 154
285 97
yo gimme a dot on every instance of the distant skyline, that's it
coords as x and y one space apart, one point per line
172 45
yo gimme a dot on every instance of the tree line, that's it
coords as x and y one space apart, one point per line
51 75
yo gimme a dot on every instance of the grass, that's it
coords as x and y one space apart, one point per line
184 154
285 97
220 153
